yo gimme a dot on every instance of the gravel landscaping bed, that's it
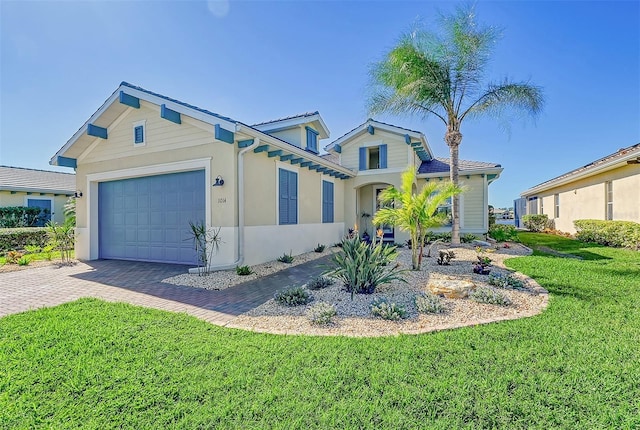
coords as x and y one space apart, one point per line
354 316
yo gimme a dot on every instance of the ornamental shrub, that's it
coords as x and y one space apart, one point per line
503 232
429 304
609 233
362 267
490 296
321 313
507 281
380 307
286 258
243 270
535 223
295 296
19 238
319 283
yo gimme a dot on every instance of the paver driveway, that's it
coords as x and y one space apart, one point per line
140 284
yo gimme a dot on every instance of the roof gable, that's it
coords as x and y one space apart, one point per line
295 121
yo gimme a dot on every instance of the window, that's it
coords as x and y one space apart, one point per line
139 133
541 205
556 203
446 209
327 201
533 206
373 157
288 196
45 206
608 187
312 140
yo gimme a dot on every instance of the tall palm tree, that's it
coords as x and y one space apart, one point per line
415 213
442 74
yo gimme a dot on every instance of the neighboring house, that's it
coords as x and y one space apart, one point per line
37 188
147 165
606 189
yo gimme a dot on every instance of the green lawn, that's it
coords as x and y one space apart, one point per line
93 364
38 256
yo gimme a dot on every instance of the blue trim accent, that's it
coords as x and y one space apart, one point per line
296 160
383 156
362 165
286 157
416 145
327 202
274 153
223 135
170 115
94 130
306 163
129 100
66 162
371 130
312 130
313 166
337 148
261 148
287 197
138 134
245 143
322 169
407 139
312 140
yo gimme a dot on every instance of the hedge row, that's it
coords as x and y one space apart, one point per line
535 222
18 216
14 239
610 233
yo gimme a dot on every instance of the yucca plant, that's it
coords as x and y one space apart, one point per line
362 267
206 243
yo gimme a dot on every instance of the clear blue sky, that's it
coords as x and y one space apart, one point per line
260 60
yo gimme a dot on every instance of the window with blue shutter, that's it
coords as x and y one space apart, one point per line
312 140
363 159
373 157
383 156
327 201
138 134
287 197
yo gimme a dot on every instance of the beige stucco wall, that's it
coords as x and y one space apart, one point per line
399 153
586 198
20 199
296 136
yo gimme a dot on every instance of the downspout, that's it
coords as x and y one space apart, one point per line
240 181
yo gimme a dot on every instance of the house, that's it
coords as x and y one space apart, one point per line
606 189
37 188
147 165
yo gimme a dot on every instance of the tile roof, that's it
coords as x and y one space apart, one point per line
332 158
441 165
22 179
620 153
301 115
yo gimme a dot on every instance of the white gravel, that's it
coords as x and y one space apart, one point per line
354 317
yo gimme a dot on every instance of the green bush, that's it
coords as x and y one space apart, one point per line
380 307
535 223
319 283
19 216
295 296
490 296
319 249
507 281
243 270
24 261
286 258
468 238
362 267
429 304
504 232
445 257
19 238
624 234
321 313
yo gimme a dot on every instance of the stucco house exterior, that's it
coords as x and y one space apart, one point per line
605 189
147 165
37 188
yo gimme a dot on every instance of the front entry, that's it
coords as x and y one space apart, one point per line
388 232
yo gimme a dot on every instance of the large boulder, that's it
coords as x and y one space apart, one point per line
451 288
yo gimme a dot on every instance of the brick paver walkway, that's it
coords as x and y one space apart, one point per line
140 284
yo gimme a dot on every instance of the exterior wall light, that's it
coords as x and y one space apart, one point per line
78 194
219 181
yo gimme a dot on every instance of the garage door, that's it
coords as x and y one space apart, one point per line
147 219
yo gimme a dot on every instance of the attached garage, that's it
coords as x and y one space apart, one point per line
147 218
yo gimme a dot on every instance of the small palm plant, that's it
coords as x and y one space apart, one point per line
415 213
206 243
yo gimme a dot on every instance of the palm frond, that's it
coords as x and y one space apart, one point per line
521 96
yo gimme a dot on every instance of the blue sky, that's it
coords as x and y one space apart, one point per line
260 60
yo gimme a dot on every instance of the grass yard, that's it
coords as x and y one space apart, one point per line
98 365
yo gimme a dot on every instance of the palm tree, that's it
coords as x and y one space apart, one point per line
442 74
415 213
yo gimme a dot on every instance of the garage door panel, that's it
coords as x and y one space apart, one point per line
148 218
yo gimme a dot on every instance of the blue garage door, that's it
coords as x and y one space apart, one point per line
147 219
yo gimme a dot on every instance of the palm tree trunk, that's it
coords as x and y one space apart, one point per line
453 137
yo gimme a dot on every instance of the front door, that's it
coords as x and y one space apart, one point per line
387 230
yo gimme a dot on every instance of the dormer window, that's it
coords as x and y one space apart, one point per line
312 140
139 133
373 157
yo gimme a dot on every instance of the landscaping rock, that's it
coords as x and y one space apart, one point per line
451 288
481 243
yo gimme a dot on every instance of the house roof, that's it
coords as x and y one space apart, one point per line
300 115
623 156
441 166
289 122
32 180
423 150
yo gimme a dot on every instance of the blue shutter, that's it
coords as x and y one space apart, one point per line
139 134
383 156
293 198
327 202
363 159
283 197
